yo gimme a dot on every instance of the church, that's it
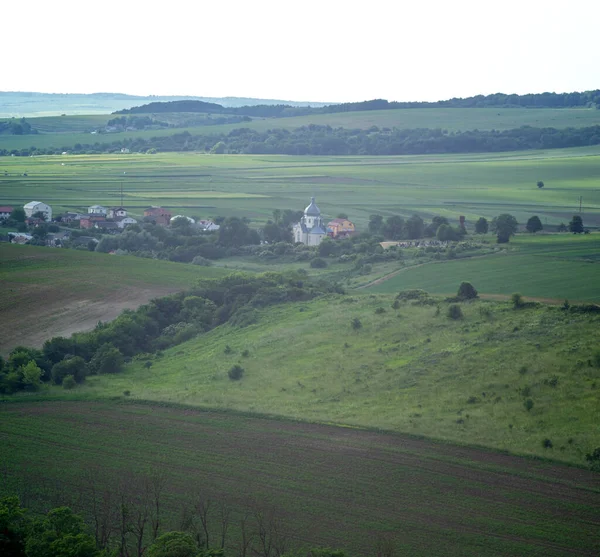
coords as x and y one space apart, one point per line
310 230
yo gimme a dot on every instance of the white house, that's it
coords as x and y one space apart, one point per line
207 225
125 221
97 211
117 213
311 229
34 207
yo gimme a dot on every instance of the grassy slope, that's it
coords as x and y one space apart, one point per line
407 370
554 266
252 186
329 486
46 292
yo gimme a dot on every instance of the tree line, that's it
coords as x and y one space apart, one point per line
325 140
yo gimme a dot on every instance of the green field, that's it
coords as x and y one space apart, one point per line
328 486
252 186
555 267
49 292
407 370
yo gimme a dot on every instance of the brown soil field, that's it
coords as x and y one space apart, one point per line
330 486
46 292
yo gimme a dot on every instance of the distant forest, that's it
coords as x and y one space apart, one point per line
325 140
586 99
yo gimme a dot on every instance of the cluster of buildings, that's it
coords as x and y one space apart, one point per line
312 228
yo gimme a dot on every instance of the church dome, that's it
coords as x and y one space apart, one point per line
312 210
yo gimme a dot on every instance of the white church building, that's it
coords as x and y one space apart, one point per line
311 229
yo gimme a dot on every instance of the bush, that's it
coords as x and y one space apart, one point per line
380 310
107 359
202 261
454 312
528 404
466 291
396 304
318 263
236 372
596 358
547 444
356 324
245 353
228 349
517 300
69 382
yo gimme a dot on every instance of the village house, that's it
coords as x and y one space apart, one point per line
117 213
122 222
158 215
97 211
310 230
5 212
90 220
69 217
340 228
207 225
34 207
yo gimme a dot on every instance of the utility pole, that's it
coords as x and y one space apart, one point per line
121 193
580 200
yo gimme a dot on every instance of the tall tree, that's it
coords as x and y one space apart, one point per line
504 226
376 224
576 225
534 224
481 226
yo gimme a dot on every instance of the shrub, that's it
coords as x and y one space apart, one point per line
318 263
148 365
107 359
356 324
228 349
236 372
596 358
547 443
466 291
528 404
245 353
69 382
380 310
454 311
396 304
244 317
202 261
517 300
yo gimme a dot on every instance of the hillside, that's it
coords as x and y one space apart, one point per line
56 292
410 369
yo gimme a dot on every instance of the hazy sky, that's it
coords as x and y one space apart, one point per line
325 50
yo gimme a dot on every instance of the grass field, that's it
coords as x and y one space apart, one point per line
252 186
407 370
331 486
65 131
556 267
54 292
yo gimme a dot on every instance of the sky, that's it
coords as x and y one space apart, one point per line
327 50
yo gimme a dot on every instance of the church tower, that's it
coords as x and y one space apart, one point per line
310 229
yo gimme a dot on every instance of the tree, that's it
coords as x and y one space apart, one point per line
107 359
562 227
576 225
540 184
415 227
235 232
342 216
60 534
174 544
70 365
18 214
31 374
481 226
393 229
445 233
534 224
236 372
12 527
433 227
504 226
277 215
466 291
376 224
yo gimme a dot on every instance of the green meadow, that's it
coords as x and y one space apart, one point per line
411 370
253 186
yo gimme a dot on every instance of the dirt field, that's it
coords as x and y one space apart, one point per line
47 292
331 486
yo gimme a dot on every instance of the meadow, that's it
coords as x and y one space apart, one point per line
337 487
253 186
411 369
54 292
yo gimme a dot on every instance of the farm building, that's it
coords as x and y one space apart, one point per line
158 215
310 230
34 207
97 211
340 228
5 211
90 220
